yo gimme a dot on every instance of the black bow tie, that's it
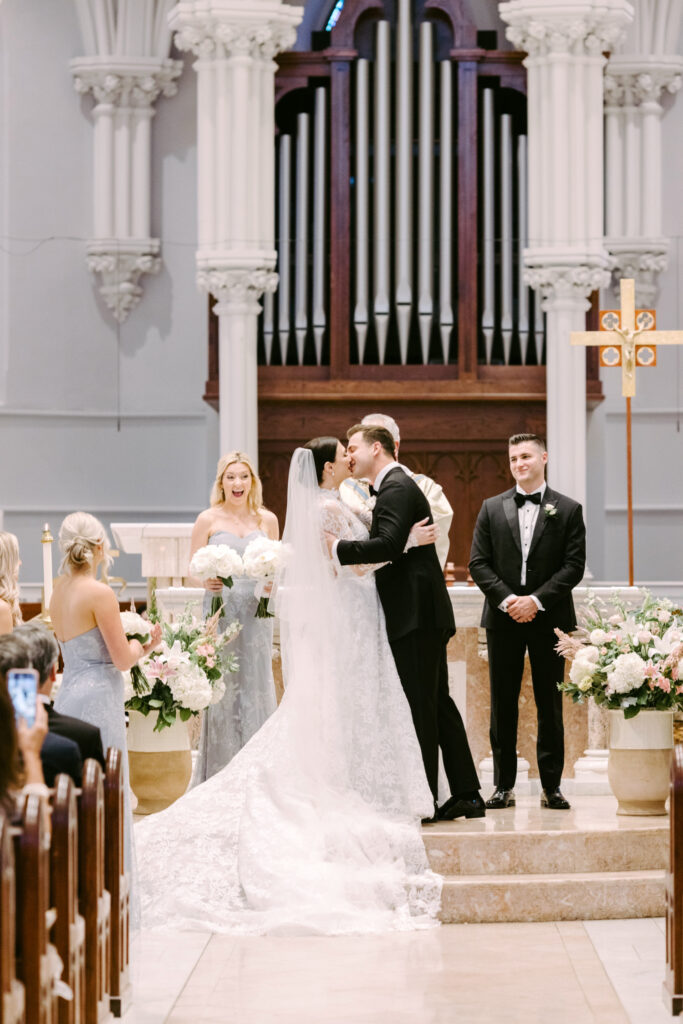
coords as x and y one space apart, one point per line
521 499
373 492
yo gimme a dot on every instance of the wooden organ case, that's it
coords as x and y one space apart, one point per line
400 222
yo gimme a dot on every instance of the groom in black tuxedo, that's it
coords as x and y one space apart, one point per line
418 613
528 553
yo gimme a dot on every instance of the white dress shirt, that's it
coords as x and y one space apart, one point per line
527 515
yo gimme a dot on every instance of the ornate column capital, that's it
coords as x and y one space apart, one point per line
642 259
632 81
236 286
565 279
229 28
580 28
120 82
120 266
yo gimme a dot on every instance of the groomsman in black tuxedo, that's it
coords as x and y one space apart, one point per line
418 613
528 553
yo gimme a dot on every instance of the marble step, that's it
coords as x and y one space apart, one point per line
452 850
577 896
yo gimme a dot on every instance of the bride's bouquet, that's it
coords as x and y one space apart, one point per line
136 628
185 674
262 559
216 561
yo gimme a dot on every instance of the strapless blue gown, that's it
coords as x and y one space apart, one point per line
92 690
250 692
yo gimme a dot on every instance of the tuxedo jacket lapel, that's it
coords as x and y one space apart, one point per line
549 498
510 509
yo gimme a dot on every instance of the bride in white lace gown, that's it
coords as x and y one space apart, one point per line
314 827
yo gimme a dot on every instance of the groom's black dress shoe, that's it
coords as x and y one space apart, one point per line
500 799
462 807
553 799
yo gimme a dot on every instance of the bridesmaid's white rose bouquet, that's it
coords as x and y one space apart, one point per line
216 561
262 559
185 673
136 628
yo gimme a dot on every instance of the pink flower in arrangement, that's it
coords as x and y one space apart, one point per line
210 662
663 684
158 669
650 671
206 650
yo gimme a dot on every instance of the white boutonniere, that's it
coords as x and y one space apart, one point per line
550 510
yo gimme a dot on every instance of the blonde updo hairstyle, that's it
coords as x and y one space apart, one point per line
9 566
79 537
255 496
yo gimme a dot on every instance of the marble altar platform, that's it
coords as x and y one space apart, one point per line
529 863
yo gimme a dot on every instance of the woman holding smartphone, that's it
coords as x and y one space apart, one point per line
21 741
87 622
10 613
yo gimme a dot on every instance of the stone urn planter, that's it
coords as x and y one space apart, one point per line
160 762
639 760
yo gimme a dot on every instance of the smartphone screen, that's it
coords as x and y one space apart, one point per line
22 684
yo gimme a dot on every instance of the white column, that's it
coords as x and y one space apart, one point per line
566 259
122 249
634 84
236 257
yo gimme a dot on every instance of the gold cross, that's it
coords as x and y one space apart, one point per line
617 336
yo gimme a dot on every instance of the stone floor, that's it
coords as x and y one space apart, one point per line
607 972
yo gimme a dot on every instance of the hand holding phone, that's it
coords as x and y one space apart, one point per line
22 684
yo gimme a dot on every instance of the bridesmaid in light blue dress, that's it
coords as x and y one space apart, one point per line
87 623
235 518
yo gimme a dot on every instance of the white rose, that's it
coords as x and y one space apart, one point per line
598 636
589 654
663 615
134 624
585 684
615 620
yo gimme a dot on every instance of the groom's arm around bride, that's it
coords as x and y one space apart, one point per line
417 609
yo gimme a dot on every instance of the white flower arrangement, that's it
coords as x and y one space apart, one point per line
628 661
262 559
216 561
186 672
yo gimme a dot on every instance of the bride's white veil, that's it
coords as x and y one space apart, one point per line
311 637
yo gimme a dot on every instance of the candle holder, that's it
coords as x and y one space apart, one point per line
46 540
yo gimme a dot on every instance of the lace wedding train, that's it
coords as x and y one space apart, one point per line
314 827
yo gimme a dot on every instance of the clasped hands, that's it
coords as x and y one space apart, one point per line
521 609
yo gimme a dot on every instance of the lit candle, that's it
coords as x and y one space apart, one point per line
46 541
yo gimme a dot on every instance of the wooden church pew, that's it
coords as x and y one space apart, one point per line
69 928
11 989
32 860
117 883
94 900
673 979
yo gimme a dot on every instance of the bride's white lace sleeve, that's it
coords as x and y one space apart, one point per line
340 521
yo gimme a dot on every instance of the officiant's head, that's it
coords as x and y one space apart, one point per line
331 461
380 419
370 448
528 457
237 483
84 544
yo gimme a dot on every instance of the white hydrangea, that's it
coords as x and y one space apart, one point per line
216 560
598 636
588 654
191 688
627 673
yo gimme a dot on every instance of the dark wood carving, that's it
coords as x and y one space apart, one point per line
69 928
12 994
94 902
117 883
